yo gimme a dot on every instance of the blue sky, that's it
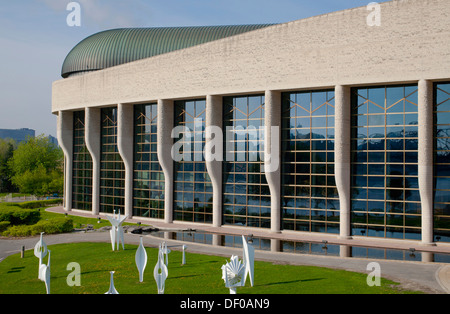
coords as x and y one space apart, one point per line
35 38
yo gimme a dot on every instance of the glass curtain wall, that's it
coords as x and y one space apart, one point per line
309 201
192 185
442 163
148 183
82 166
246 195
112 168
384 182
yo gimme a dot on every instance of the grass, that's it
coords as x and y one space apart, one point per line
201 274
79 221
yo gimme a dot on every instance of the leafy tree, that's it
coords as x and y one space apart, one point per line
7 148
36 167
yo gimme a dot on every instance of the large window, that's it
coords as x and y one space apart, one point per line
82 166
192 186
148 189
246 195
442 163
384 188
112 169
310 200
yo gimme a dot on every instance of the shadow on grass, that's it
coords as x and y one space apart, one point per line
15 270
181 276
292 281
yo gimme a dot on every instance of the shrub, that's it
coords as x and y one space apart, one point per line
17 231
19 216
4 225
51 226
36 204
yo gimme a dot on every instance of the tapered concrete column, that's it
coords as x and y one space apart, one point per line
342 156
164 147
426 158
125 146
65 140
92 136
272 155
214 152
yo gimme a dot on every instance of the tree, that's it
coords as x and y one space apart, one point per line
37 167
6 152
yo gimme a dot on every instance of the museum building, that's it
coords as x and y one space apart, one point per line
362 113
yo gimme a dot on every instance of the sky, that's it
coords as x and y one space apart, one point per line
35 39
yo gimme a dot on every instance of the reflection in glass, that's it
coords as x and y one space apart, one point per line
250 206
380 158
148 190
112 168
442 162
82 166
193 188
308 165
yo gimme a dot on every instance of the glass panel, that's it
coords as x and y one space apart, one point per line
442 162
389 167
313 155
191 177
245 169
111 198
82 166
148 195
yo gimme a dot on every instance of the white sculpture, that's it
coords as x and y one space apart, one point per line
116 231
40 251
233 274
46 274
160 272
141 260
165 252
249 260
112 289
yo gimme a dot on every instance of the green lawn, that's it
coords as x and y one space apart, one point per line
79 222
201 274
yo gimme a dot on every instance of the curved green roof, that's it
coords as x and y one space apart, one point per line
118 46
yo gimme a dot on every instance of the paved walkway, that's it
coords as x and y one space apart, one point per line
424 276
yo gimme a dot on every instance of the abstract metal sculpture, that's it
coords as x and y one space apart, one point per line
165 252
233 274
249 260
40 251
45 270
141 260
112 289
116 231
160 272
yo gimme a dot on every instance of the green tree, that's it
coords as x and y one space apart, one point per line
7 148
36 167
